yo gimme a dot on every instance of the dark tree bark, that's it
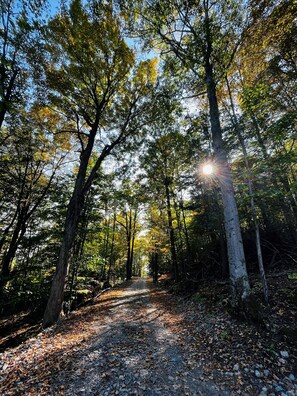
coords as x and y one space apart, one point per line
111 247
155 265
55 301
18 233
133 239
181 254
130 236
171 230
129 242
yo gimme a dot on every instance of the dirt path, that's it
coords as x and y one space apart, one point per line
124 349
134 355
139 339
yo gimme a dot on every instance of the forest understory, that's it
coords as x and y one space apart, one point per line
146 339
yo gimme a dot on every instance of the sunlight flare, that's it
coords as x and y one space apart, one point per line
207 169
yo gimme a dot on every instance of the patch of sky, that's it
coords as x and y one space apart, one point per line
141 54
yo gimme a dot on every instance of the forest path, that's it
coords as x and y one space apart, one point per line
135 354
140 339
118 346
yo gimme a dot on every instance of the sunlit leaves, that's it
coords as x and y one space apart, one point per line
146 73
88 59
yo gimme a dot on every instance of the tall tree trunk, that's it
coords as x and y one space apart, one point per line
129 236
82 186
222 236
171 231
133 239
55 301
106 247
155 265
240 287
180 250
128 263
185 227
111 247
251 194
106 241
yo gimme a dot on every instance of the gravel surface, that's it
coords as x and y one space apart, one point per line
133 354
140 339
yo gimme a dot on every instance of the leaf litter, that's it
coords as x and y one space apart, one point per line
141 340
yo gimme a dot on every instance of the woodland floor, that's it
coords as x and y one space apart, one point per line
139 339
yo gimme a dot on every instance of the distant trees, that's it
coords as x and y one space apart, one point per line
165 164
129 202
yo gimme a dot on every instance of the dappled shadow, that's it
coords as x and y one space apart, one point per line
134 355
17 328
125 349
117 298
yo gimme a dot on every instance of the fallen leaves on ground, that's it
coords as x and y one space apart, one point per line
244 356
37 360
241 357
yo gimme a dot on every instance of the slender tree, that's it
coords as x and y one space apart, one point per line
89 75
251 192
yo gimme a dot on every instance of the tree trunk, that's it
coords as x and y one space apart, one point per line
106 241
180 250
155 265
17 235
171 232
251 194
7 229
55 301
133 240
76 204
6 93
185 227
111 247
128 262
240 287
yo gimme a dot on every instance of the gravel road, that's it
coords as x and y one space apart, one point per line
134 354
